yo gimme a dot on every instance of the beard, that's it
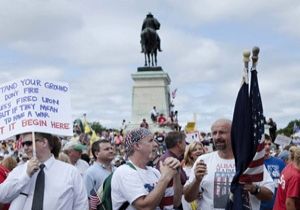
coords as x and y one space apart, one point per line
220 145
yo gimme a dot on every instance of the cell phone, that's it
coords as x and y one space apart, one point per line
201 162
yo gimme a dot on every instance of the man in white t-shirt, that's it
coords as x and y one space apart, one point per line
154 114
213 173
139 185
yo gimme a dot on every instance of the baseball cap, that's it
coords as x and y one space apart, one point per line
75 146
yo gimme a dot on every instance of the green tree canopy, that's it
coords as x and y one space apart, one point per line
97 127
289 129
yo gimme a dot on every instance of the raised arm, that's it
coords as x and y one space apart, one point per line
191 190
152 200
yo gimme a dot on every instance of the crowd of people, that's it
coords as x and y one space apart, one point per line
149 171
171 120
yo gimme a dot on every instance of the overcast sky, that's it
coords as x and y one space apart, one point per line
95 47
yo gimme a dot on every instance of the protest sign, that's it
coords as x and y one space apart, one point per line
282 140
191 137
37 105
190 127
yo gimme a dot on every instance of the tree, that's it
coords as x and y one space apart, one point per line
289 129
97 127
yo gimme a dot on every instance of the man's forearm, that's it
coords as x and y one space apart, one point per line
178 188
191 191
265 194
290 204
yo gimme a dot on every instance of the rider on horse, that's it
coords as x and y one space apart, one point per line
151 23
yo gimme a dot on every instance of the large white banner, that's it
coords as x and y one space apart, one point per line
35 105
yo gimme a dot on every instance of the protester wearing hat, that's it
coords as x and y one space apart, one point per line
140 185
44 182
74 151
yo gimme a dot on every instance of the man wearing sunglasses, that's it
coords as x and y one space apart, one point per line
27 147
44 183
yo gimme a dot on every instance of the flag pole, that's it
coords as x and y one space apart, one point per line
246 59
255 52
33 145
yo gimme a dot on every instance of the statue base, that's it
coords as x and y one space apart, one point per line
149 68
150 88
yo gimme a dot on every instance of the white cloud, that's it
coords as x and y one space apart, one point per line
95 47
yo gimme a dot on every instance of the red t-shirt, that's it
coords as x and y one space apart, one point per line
161 119
3 174
289 187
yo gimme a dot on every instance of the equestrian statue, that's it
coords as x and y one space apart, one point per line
150 41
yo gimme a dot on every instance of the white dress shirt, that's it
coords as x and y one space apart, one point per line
64 188
81 166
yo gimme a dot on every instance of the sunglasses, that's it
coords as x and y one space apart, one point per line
27 143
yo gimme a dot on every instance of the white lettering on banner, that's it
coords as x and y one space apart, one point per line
282 182
35 105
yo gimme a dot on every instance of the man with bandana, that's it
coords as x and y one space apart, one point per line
140 185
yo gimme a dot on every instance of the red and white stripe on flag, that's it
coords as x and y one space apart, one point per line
174 93
94 200
255 170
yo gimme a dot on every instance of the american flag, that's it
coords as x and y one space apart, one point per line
254 172
174 93
94 200
247 143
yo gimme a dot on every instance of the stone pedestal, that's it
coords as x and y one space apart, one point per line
150 88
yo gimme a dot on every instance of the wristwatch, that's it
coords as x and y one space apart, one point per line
256 191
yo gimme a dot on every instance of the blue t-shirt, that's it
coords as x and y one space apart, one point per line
274 166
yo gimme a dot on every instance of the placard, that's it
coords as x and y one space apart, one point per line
193 136
35 105
282 140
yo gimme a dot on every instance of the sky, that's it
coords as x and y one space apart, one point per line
94 46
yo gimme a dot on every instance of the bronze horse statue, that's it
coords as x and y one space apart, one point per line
150 46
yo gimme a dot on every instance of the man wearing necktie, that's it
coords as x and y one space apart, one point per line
44 183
